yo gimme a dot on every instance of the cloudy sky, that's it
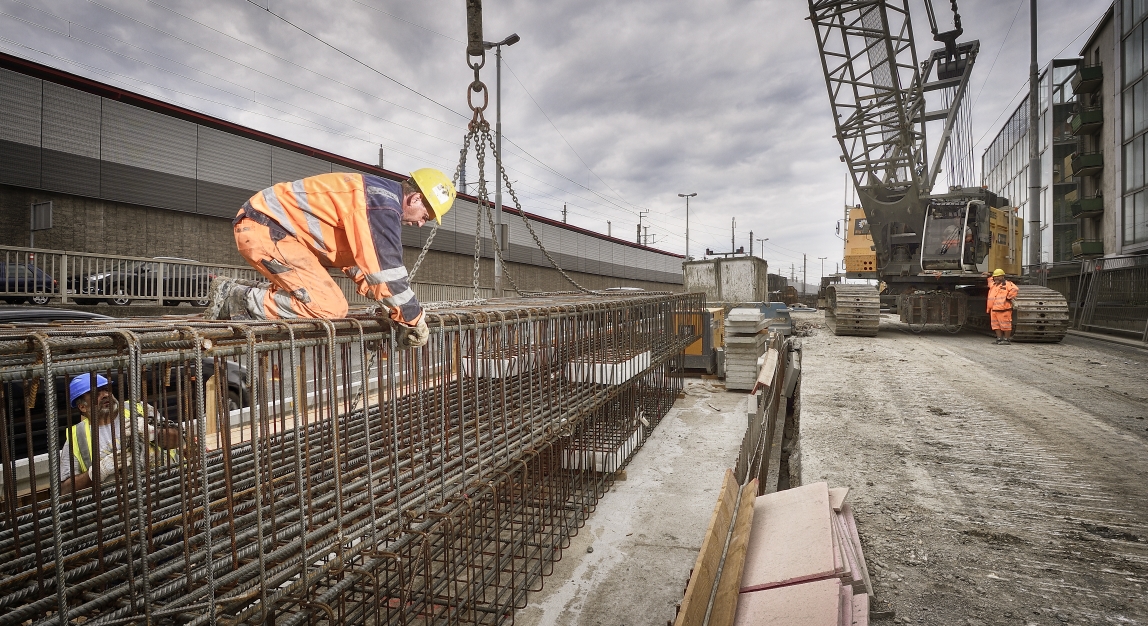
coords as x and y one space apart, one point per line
609 108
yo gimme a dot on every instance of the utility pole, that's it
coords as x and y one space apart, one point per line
497 234
823 266
645 235
563 212
609 229
751 243
792 274
1034 234
381 157
804 274
733 235
641 214
687 196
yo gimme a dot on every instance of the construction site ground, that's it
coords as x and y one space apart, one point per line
992 484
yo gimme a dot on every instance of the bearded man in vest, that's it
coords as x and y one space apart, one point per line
291 233
1000 305
93 445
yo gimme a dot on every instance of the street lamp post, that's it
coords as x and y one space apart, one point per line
687 196
497 234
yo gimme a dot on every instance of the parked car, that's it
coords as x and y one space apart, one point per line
120 282
23 283
14 421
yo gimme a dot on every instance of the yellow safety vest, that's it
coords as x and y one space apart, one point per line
80 436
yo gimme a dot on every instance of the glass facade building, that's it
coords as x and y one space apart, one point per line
1004 164
1134 127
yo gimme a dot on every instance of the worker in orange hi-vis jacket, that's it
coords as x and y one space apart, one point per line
1000 305
292 232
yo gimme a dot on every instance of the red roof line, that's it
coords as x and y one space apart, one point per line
61 77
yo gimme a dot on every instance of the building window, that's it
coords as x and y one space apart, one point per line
1135 112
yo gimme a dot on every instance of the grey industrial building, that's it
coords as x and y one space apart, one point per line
132 175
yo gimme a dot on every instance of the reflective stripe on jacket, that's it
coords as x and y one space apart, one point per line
80 436
350 221
1000 295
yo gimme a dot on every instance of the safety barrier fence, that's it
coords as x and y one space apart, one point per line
1113 296
42 276
774 411
359 483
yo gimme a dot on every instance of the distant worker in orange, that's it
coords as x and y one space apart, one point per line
292 232
1000 305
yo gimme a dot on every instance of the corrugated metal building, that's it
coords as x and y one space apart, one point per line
74 141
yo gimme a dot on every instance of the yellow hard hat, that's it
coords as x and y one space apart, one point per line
998 272
437 189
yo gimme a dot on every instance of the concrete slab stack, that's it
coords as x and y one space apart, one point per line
745 337
804 563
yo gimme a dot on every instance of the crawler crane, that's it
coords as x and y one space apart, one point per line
930 248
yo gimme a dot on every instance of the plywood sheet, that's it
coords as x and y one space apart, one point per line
815 603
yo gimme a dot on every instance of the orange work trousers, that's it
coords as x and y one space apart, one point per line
300 283
1001 320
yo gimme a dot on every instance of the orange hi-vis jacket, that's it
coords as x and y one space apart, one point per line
1000 295
349 221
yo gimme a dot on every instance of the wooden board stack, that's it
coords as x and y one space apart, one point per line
804 565
745 336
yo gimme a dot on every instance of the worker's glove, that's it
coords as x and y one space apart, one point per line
414 336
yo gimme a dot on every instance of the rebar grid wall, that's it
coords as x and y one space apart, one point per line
355 483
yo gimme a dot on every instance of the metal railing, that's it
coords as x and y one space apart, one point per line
360 484
1114 296
41 276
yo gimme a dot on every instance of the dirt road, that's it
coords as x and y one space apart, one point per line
992 484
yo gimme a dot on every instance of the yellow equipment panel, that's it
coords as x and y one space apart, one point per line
1005 249
859 253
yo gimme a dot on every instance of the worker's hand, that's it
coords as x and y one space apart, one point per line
414 336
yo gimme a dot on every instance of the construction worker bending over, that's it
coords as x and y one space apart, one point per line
1000 305
292 232
89 450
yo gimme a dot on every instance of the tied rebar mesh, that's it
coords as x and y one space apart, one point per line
437 486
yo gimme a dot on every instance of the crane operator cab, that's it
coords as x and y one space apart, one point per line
956 236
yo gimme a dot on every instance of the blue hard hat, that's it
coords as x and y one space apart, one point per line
83 384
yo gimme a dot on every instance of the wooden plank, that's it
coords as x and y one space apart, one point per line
700 586
837 497
725 602
815 603
792 538
851 525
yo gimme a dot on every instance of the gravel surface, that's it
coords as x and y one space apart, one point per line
992 484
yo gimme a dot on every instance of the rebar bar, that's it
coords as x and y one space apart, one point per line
324 475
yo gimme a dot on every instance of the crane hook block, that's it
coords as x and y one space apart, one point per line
474 28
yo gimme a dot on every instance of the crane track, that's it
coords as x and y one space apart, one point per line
853 310
1041 316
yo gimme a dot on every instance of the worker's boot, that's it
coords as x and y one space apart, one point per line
228 299
217 293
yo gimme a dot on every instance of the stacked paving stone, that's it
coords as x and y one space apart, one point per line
745 337
804 565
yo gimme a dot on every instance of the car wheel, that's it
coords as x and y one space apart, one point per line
233 400
171 302
201 303
41 300
120 298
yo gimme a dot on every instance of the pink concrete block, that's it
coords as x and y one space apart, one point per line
855 539
849 552
845 606
860 610
815 603
837 497
791 539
